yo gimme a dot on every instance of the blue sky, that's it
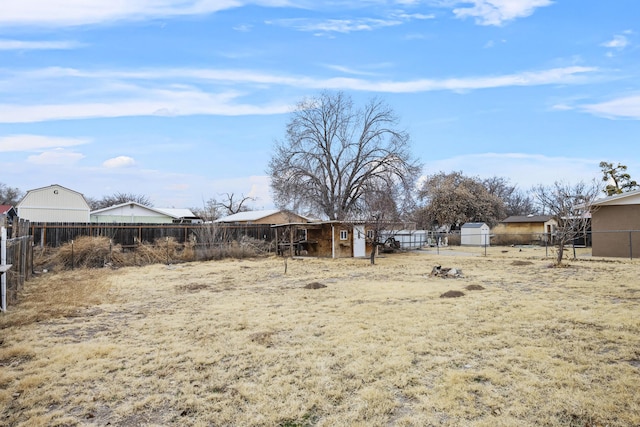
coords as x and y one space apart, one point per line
182 100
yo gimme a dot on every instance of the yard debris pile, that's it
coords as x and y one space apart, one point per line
452 294
315 285
446 272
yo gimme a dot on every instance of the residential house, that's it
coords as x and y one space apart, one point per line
270 217
7 214
136 213
525 229
615 225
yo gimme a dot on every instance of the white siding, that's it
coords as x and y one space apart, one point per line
474 235
53 204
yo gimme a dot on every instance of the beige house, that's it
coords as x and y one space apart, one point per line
54 203
271 217
615 225
525 229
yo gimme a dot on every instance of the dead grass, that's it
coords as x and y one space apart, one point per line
238 342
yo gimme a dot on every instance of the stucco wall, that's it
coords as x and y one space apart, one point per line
611 227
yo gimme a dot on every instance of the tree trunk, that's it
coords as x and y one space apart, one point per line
373 255
560 253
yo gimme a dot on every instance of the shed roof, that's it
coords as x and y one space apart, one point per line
473 224
527 218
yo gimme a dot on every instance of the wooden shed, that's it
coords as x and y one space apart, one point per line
475 234
329 239
615 225
54 203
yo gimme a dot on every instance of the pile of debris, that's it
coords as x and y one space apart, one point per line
446 272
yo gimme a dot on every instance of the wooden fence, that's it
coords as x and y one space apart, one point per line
128 235
18 254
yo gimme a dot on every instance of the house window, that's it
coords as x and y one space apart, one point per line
370 234
344 235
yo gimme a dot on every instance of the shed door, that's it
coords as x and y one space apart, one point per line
359 241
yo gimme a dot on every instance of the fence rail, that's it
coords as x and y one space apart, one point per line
18 254
57 234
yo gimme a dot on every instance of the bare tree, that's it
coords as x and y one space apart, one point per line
210 210
233 205
117 199
618 175
453 199
335 156
570 206
9 195
516 202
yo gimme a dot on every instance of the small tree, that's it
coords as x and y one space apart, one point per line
570 206
617 178
9 195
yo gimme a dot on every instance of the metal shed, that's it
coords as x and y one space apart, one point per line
53 204
475 234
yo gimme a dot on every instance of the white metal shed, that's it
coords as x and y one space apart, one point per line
54 203
475 234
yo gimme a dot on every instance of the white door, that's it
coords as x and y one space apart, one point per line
359 241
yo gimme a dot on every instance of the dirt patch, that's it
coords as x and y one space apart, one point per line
263 338
452 294
315 285
521 263
192 287
474 288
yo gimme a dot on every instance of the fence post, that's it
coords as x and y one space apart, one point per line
630 245
3 274
72 260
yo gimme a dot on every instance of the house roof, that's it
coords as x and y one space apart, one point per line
628 198
171 212
5 208
527 218
177 212
248 216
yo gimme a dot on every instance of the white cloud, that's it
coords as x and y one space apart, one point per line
116 94
523 170
625 107
81 12
618 42
37 142
119 162
497 12
335 25
59 156
38 45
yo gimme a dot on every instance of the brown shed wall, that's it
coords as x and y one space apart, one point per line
610 226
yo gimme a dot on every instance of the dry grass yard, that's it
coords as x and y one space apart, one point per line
329 343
